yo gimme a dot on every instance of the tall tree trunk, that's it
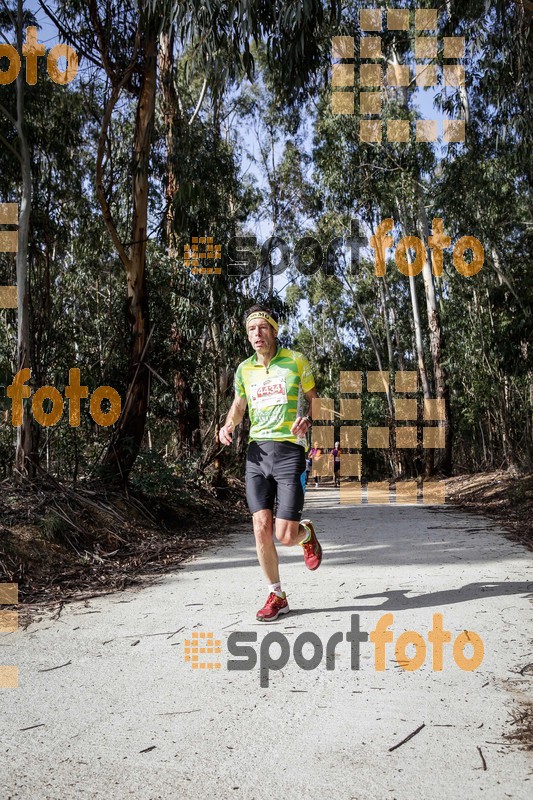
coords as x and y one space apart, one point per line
436 341
417 325
385 314
220 380
26 455
394 452
419 348
171 120
126 442
508 448
395 461
188 422
394 321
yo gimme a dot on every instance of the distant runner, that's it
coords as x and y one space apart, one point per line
269 382
336 453
316 455
308 465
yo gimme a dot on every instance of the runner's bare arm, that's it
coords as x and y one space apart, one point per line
302 424
234 416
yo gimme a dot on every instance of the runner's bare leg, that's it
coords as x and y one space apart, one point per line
264 543
289 532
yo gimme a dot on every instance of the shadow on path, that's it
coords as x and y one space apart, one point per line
380 539
397 600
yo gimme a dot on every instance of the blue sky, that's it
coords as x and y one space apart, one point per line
424 99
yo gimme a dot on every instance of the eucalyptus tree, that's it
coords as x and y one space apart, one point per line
492 200
47 130
217 38
26 448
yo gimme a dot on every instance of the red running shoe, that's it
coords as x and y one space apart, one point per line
312 548
273 607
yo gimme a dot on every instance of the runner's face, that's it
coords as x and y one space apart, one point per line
261 335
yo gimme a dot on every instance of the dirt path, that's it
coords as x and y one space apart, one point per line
108 707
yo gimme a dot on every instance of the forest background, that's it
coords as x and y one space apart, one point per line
215 119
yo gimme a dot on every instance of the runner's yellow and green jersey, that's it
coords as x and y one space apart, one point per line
272 393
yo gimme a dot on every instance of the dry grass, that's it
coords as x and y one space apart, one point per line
504 497
522 734
59 543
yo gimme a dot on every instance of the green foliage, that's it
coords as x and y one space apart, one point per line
53 527
269 157
153 477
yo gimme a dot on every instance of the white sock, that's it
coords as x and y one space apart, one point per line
276 588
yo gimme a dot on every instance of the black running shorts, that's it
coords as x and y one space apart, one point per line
276 471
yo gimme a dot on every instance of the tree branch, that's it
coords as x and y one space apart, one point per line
11 118
68 35
10 15
106 210
10 147
199 103
95 19
103 140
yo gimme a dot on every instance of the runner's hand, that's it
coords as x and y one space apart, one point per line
225 434
300 426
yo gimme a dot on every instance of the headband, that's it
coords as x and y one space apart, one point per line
263 315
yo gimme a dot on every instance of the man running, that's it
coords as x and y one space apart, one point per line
269 383
336 454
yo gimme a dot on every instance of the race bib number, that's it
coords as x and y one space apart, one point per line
267 393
